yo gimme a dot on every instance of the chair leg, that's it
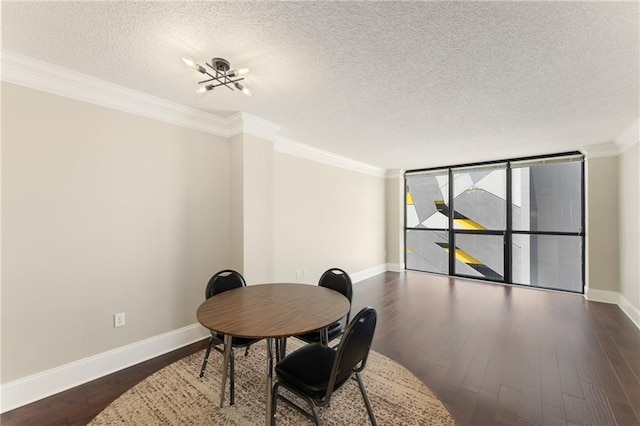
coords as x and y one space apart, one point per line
274 403
281 348
206 357
363 391
316 416
324 337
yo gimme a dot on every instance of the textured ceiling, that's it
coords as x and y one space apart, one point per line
392 84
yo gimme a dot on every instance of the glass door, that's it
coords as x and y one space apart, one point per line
427 235
547 211
479 221
515 221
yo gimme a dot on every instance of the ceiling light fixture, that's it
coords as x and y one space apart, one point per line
221 75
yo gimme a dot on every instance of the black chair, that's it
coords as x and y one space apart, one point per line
338 280
315 371
220 282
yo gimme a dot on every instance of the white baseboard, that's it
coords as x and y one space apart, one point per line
615 298
632 312
395 267
602 296
368 273
41 385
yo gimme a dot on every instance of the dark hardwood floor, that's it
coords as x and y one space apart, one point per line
495 355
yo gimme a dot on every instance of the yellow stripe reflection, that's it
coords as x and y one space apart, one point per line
469 224
465 257
409 199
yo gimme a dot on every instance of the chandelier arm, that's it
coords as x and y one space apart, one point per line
221 77
227 85
229 81
209 74
221 83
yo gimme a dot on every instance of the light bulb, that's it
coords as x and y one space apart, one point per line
239 86
236 73
188 62
204 89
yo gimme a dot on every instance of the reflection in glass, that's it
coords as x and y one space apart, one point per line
424 252
424 192
479 199
480 256
552 261
547 197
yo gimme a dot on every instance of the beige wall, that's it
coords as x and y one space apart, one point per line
325 217
613 219
258 209
236 203
602 223
629 265
102 212
252 207
394 205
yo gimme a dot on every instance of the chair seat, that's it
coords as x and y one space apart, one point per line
237 342
334 331
308 369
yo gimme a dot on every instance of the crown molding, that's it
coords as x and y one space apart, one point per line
297 149
629 137
243 122
39 75
35 74
620 144
395 173
607 149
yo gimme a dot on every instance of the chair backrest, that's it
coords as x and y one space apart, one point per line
353 350
223 281
338 280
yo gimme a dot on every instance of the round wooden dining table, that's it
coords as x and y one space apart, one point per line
270 311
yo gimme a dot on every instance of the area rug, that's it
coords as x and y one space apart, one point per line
176 395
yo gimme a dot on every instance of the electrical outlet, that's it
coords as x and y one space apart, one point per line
304 273
298 274
118 319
